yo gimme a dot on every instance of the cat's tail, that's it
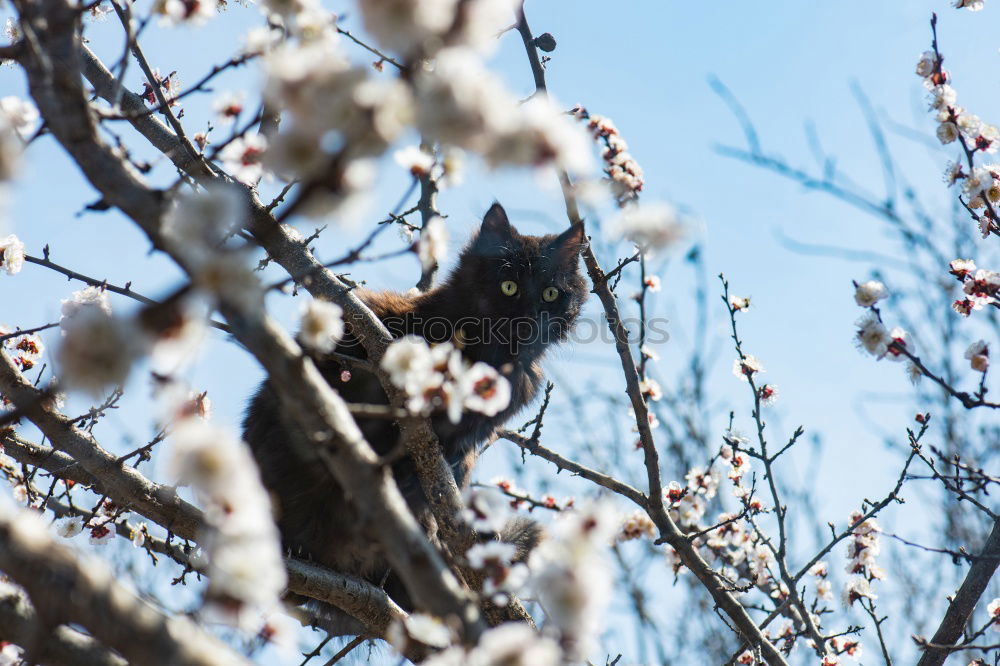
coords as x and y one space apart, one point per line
522 533
332 620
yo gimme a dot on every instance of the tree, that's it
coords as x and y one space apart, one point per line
741 538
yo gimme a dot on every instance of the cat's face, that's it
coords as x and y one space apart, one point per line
527 289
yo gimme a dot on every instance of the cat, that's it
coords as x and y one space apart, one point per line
509 298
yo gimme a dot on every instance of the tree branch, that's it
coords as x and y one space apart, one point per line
21 625
964 602
63 589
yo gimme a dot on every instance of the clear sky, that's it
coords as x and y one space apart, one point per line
645 64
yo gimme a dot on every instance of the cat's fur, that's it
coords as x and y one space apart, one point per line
315 517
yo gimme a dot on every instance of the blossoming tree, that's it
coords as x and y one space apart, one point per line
224 205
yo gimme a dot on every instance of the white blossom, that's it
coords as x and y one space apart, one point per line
516 644
993 612
869 293
102 534
947 132
199 221
432 248
139 532
636 525
225 276
97 349
650 225
11 655
81 300
486 509
461 103
978 355
496 553
69 527
872 335
177 345
571 575
321 325
747 367
241 541
414 160
979 181
11 254
483 22
510 644
228 106
243 157
174 12
970 124
651 388
484 390
538 134
409 363
858 588
926 64
18 114
943 96
427 629
408 27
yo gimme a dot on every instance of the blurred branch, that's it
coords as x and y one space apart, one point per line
124 484
61 646
64 589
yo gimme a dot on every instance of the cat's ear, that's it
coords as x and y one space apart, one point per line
567 246
495 222
495 233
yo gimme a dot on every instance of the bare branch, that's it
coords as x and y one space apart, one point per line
964 602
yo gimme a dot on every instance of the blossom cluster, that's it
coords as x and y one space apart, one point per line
513 643
636 525
570 575
862 549
26 350
745 559
487 511
173 12
101 526
651 226
438 377
240 543
567 572
520 498
955 124
873 336
99 348
979 286
340 115
17 123
623 171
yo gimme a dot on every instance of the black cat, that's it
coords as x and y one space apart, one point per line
509 297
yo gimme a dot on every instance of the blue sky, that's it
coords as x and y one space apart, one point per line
646 65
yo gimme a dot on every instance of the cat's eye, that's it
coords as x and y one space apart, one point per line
550 294
508 287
